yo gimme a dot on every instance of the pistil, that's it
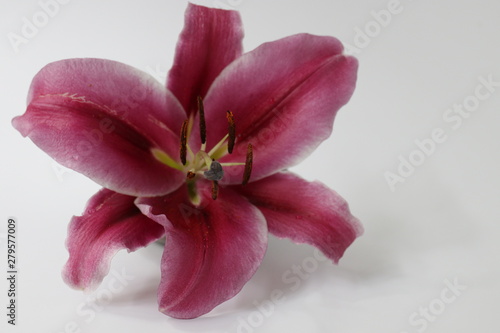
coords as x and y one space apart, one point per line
201 162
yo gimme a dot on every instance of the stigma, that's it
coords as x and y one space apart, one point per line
215 173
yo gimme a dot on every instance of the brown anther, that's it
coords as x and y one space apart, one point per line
190 175
248 165
215 189
232 132
183 148
203 126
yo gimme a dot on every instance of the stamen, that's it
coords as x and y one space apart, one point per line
203 126
248 165
163 157
232 132
205 159
215 189
183 141
220 149
232 164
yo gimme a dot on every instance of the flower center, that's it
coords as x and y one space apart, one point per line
203 164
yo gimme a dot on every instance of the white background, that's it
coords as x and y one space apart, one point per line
439 226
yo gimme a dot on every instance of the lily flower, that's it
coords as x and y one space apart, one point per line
201 161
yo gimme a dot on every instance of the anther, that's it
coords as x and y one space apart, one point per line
248 165
190 175
183 149
203 126
215 189
232 132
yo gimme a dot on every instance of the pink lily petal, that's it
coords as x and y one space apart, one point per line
305 212
111 222
211 251
101 118
284 96
210 40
